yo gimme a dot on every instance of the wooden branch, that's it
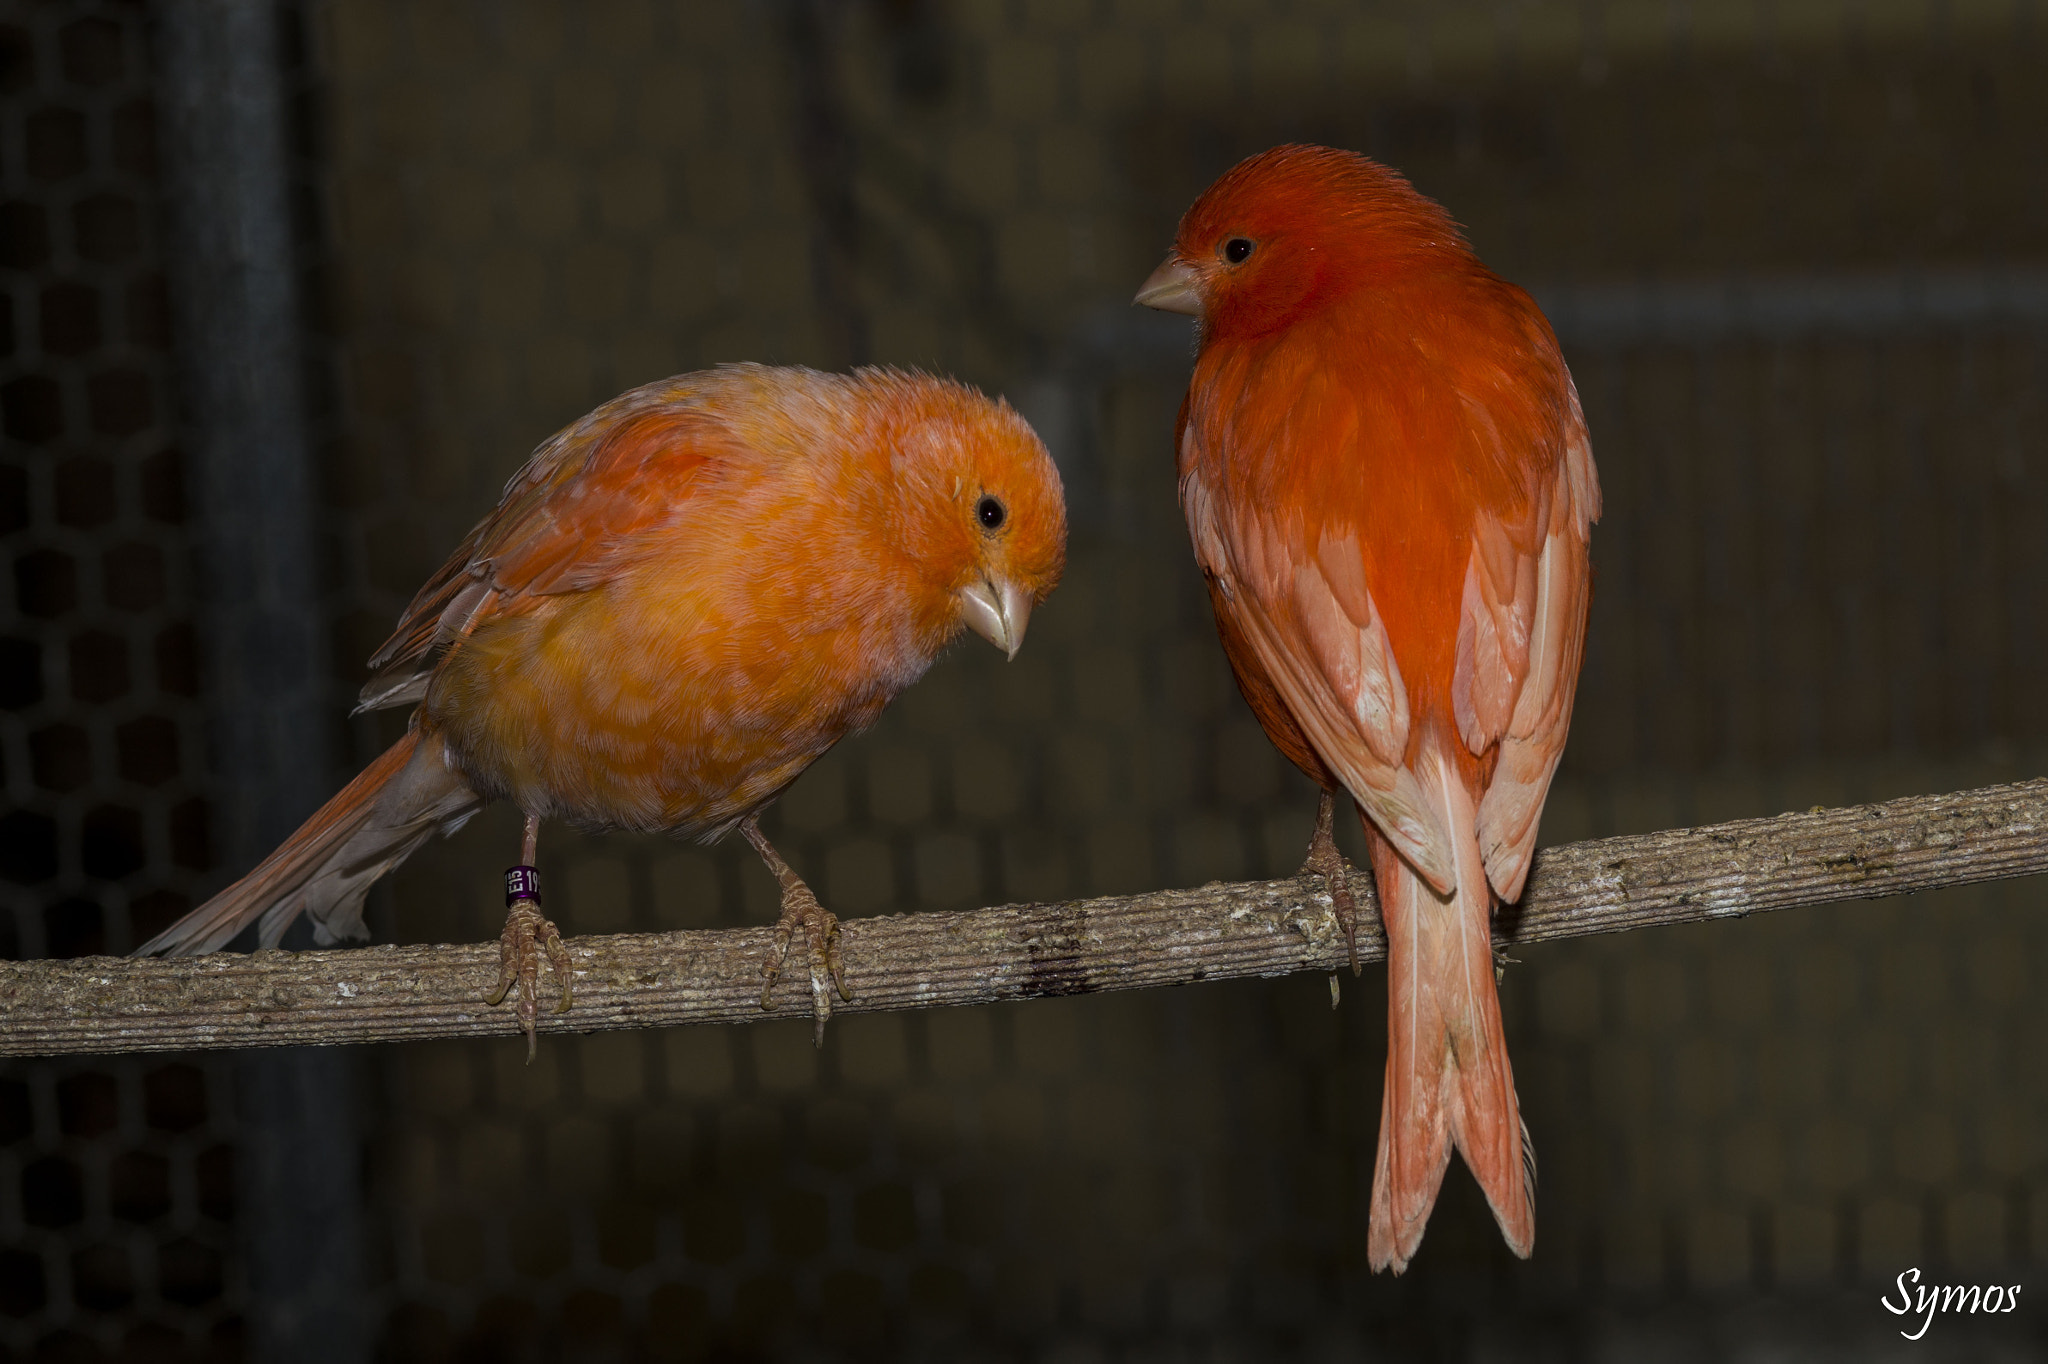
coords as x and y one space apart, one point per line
908 961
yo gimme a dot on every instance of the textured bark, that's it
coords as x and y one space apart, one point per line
910 961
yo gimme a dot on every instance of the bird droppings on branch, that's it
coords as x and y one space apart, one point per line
907 961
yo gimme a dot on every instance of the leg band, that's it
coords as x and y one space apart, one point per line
522 883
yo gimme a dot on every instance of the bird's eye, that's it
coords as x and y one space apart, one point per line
991 512
1237 249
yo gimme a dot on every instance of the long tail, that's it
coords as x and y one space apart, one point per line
328 866
1448 1079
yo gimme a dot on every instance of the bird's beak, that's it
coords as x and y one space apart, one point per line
997 613
1172 288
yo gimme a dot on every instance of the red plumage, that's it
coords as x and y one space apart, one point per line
1389 488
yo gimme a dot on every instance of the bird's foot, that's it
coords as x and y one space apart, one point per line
800 909
801 912
1325 861
528 934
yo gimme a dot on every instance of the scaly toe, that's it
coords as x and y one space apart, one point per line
826 964
771 969
528 937
835 958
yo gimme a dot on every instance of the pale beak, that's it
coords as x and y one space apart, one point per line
1172 288
997 614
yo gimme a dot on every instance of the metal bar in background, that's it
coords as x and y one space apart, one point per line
1677 312
1121 342
222 118
1790 307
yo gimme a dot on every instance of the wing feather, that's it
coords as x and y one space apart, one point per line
1326 652
1557 593
1344 631
573 518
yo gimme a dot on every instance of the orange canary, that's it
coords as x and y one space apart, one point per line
1389 488
682 601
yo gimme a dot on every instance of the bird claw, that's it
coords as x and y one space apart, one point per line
529 933
800 909
1325 861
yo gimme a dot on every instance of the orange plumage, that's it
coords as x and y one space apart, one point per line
1389 488
682 601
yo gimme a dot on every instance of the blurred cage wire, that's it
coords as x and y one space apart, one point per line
1798 257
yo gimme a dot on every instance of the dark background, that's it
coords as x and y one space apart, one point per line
1798 255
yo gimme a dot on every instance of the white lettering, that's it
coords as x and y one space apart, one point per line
1952 1298
1924 1300
1926 1296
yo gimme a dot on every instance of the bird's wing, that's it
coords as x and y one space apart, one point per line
570 520
1520 639
1313 626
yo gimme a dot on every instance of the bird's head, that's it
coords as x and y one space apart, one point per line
982 515
1290 228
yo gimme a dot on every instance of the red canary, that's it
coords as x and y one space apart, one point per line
682 601
1388 484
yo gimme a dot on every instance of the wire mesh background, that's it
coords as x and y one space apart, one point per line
1799 257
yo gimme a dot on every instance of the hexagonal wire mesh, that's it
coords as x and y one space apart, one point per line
115 1175
1800 283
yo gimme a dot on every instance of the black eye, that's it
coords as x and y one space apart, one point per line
991 512
1236 249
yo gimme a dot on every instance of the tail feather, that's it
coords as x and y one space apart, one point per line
1448 1081
326 868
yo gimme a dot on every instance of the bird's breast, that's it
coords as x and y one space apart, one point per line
668 701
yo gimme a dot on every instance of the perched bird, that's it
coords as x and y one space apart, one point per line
1388 485
682 601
